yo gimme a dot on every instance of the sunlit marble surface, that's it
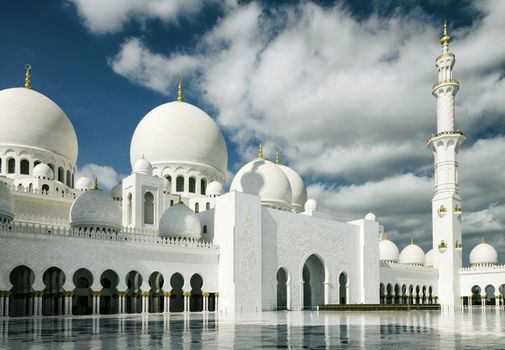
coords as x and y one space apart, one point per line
320 330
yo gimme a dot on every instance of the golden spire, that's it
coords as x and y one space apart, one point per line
96 184
412 241
277 157
28 83
445 37
179 91
260 152
482 239
385 235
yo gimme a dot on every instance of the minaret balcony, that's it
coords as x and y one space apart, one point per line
445 82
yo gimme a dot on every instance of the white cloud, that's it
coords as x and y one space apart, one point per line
109 16
106 175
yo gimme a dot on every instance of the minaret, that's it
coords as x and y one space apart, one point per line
446 203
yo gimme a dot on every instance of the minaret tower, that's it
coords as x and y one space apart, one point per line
446 201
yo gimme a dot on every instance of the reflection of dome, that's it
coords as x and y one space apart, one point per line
214 189
84 184
95 210
180 221
483 254
430 258
178 132
388 251
298 190
43 171
30 119
371 217
117 191
265 179
412 255
6 203
143 166
310 204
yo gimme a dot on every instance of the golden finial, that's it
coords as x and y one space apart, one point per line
482 239
260 152
28 83
445 37
96 184
179 91
385 236
277 157
412 241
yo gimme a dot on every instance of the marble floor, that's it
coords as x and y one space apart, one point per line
467 329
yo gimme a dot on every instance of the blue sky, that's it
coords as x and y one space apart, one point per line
342 88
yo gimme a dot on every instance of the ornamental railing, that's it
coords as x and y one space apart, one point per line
483 267
51 193
447 81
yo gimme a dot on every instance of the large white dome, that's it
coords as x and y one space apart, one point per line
298 189
179 221
388 251
6 203
483 254
412 255
30 119
178 132
95 210
265 179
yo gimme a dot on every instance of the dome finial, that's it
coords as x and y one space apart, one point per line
260 152
96 184
179 91
412 241
385 236
28 83
445 37
277 157
482 239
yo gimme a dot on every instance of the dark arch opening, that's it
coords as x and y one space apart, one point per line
82 301
109 302
148 208
282 289
22 278
176 294
53 298
342 281
196 298
156 299
133 292
313 287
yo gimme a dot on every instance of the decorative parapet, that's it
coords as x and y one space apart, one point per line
484 268
15 228
41 219
408 267
452 132
443 82
37 192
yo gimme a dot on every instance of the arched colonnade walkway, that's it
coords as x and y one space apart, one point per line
406 294
485 295
53 299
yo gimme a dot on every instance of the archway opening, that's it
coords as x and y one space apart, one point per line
53 298
476 295
282 289
490 298
404 294
382 290
389 294
313 282
342 289
82 302
196 298
109 302
156 301
148 208
502 294
176 294
22 278
397 294
133 292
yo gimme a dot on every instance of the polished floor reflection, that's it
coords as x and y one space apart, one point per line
320 330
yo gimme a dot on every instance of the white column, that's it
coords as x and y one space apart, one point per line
205 296
30 303
497 300
6 306
68 303
2 300
326 293
186 301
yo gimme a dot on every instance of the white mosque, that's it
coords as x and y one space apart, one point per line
169 239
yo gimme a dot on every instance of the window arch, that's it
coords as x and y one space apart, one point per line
203 186
207 206
129 209
197 207
148 208
204 229
169 178
0 165
24 167
69 178
11 166
61 174
192 185
45 188
179 184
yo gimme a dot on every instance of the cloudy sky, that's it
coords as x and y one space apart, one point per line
342 88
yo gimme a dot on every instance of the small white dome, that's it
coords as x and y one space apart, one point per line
43 171
310 204
215 188
265 179
181 222
412 255
298 189
430 258
388 251
95 209
371 217
483 254
84 184
30 119
6 203
143 166
117 191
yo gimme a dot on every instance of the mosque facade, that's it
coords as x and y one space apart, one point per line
168 238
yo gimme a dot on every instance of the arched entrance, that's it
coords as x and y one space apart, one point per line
109 303
313 282
382 290
53 299
133 292
176 296
82 301
156 301
21 302
196 298
282 289
490 298
342 289
476 295
389 294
